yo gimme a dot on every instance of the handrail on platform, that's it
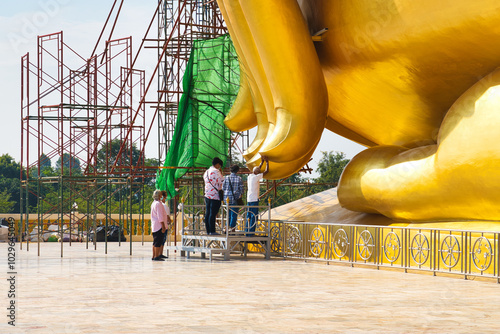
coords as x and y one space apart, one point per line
243 238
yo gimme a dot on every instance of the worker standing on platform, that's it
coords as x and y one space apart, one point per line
158 224
213 184
233 190
253 184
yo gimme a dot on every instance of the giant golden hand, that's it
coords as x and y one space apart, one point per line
290 106
398 78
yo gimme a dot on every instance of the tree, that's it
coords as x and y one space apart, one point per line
9 168
295 178
6 205
10 171
150 162
44 161
331 166
107 155
69 162
45 167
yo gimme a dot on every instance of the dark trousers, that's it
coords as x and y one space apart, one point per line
211 211
233 216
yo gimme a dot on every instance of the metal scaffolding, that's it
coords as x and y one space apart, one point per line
89 114
180 23
85 115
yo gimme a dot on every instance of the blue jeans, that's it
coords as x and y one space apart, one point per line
233 215
252 213
211 211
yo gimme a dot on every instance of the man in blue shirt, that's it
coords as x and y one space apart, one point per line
233 190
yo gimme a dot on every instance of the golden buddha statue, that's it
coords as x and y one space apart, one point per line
413 81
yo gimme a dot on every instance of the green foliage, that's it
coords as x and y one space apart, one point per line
6 205
151 162
8 167
69 163
295 178
10 171
117 197
295 187
44 161
109 154
331 166
46 168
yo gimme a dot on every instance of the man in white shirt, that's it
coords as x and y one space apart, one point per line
253 183
164 196
158 224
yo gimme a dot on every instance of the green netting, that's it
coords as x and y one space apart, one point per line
210 85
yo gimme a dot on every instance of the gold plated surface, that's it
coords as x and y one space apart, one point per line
413 81
457 178
291 105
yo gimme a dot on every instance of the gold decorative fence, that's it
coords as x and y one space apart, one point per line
467 253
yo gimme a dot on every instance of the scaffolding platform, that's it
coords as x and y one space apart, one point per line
240 241
224 244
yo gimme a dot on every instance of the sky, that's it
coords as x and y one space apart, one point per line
81 22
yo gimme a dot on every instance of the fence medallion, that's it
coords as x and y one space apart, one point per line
340 243
482 253
419 249
317 241
294 239
365 245
275 239
450 251
392 247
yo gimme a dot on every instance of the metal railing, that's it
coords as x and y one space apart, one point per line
194 224
245 237
467 253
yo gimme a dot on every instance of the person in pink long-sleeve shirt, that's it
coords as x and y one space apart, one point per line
158 225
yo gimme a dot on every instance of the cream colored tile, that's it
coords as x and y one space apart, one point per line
88 291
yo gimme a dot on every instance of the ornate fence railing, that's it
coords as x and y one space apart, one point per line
467 253
194 223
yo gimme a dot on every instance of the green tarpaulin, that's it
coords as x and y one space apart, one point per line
210 85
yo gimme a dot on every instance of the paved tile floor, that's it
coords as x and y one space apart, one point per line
87 291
